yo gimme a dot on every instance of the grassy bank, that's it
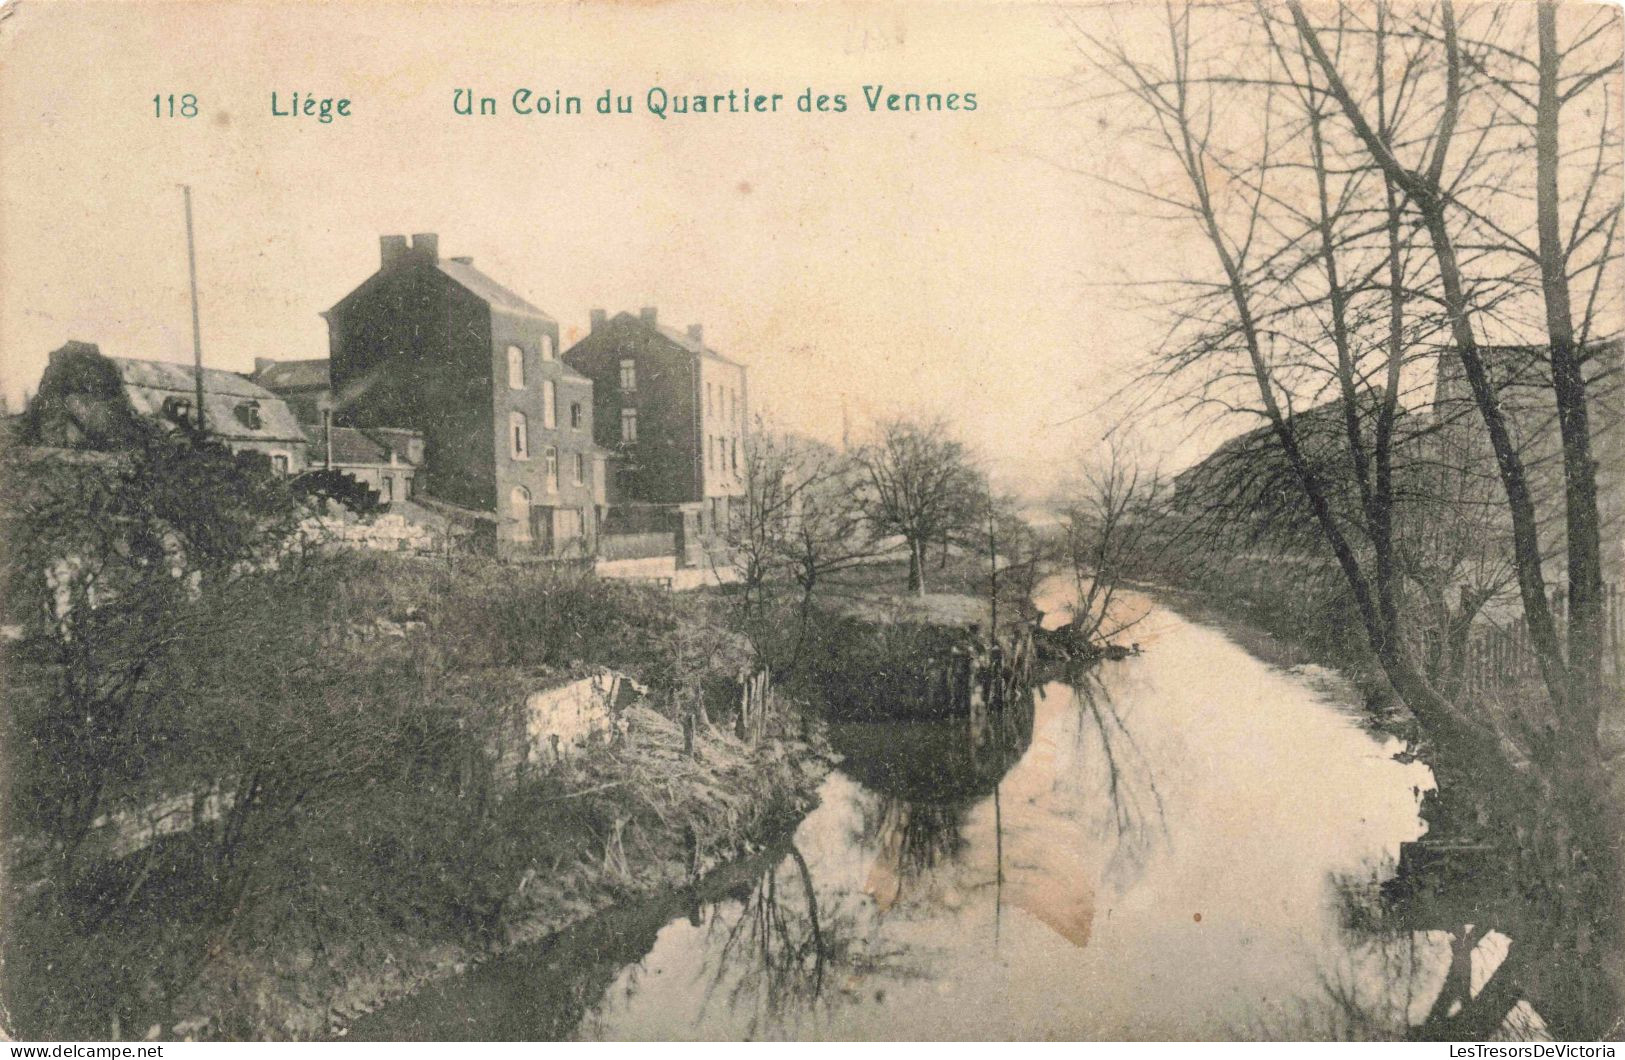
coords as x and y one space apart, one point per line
353 717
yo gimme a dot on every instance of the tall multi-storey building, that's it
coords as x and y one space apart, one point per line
671 410
433 345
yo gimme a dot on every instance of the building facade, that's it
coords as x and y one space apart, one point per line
670 410
86 400
383 459
433 345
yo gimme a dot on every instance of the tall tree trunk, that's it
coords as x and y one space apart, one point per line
916 566
1585 625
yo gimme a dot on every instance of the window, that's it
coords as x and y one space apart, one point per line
519 508
550 410
629 374
520 430
733 454
581 469
547 347
629 426
279 463
178 409
710 454
408 490
552 456
575 415
386 492
710 398
516 368
248 414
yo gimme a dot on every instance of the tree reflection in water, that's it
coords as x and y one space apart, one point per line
779 957
1133 818
1417 967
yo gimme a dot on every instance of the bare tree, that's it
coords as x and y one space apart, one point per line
1112 531
1317 300
779 470
919 485
829 534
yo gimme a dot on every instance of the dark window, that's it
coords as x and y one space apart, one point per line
521 435
575 414
178 409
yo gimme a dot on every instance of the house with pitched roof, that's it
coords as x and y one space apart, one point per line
433 345
88 400
672 412
385 460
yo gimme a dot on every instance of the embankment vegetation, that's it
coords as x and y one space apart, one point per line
334 736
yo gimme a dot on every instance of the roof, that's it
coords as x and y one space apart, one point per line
689 343
225 395
456 513
493 293
292 375
681 339
397 438
356 445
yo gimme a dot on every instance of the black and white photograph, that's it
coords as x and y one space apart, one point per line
900 521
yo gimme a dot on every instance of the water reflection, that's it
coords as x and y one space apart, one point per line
1146 850
1409 971
1132 816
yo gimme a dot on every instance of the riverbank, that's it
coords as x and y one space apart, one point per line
374 798
1117 826
724 802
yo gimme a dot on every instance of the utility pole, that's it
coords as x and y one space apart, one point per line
197 330
992 565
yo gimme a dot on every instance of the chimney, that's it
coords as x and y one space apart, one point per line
647 315
392 249
696 334
426 245
596 318
463 261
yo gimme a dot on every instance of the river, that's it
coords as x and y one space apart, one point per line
1174 846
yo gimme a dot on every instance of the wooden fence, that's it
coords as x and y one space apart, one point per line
755 705
1501 655
988 674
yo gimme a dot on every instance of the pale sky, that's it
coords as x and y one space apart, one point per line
942 262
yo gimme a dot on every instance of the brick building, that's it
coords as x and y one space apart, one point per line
435 346
671 411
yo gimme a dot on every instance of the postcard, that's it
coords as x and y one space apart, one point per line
818 521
